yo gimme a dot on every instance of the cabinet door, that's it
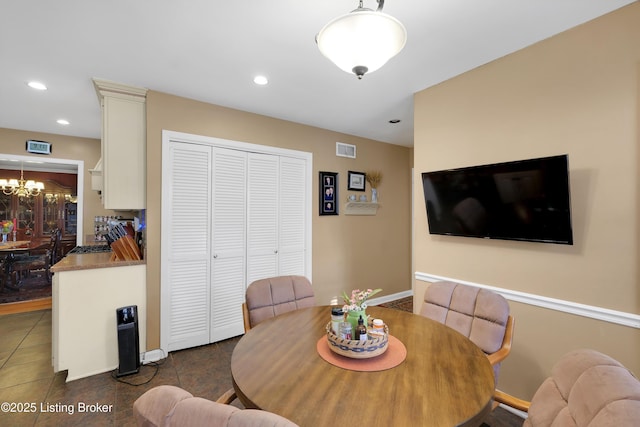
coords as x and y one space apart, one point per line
123 152
228 240
186 237
262 216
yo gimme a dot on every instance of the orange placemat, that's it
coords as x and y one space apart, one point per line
395 355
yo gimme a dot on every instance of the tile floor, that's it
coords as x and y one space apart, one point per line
27 379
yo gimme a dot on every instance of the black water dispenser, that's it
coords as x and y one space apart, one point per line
128 340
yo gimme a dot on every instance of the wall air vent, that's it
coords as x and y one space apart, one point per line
345 150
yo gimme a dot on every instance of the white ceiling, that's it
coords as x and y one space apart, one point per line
211 50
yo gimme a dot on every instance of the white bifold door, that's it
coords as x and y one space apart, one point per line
229 217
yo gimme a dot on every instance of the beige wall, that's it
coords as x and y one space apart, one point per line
348 251
63 147
575 93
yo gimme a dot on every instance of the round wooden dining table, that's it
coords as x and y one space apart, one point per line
445 379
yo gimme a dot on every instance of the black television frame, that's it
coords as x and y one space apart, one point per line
442 220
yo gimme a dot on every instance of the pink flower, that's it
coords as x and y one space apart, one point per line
358 299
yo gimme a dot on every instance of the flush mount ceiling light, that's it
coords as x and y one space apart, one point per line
363 40
260 80
37 85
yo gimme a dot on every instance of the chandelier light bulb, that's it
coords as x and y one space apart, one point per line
22 187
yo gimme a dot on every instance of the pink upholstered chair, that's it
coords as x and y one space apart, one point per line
479 314
586 388
267 298
167 405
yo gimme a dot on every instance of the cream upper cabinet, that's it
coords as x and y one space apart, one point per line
123 145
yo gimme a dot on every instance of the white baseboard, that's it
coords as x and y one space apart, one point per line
389 298
514 411
152 356
593 312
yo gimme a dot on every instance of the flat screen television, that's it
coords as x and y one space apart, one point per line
526 200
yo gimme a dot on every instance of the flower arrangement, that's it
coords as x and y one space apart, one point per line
6 226
358 299
374 178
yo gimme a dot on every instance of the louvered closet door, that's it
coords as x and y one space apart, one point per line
187 185
292 217
262 216
228 243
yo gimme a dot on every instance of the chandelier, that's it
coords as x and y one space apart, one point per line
21 188
363 40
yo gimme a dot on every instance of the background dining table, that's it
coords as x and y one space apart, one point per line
445 379
8 250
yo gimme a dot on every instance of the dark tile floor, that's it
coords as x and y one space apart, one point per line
42 398
27 379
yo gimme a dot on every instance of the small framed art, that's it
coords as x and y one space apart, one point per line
357 181
328 193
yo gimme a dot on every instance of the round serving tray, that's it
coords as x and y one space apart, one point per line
356 349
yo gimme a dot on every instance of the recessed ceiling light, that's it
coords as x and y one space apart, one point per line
260 80
394 121
37 85
62 122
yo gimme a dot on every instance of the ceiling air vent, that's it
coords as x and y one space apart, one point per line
345 150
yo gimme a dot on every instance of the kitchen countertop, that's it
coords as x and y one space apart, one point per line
90 261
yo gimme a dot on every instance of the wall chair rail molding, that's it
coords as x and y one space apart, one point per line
590 311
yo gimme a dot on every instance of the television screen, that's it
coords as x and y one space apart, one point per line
522 200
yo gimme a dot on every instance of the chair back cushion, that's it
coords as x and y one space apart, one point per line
587 388
478 314
267 298
172 406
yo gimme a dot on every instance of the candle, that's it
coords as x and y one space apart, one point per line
15 225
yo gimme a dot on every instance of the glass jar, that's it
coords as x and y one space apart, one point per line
346 331
337 316
377 329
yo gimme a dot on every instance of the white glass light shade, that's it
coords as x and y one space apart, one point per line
32 185
362 38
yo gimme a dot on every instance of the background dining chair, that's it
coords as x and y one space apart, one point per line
167 405
267 298
586 388
40 259
479 314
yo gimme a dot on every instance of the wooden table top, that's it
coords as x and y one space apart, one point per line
445 380
20 245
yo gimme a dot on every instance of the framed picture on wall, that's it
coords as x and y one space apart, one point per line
328 193
357 181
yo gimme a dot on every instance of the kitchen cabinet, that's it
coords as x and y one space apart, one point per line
122 168
38 216
84 303
231 215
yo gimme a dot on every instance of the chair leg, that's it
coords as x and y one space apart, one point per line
228 397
